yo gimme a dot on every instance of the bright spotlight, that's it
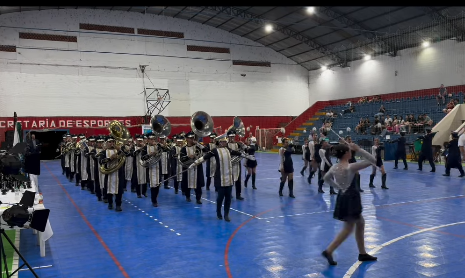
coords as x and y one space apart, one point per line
310 10
324 67
367 57
268 28
425 43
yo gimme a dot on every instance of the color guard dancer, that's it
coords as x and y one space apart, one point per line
251 164
400 153
325 165
376 152
348 204
286 167
223 178
427 150
305 156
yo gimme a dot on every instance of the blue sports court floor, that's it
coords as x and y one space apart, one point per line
417 229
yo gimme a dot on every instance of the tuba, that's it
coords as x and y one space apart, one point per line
202 126
238 127
121 135
160 126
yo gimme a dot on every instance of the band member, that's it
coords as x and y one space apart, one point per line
98 176
325 164
426 151
164 160
223 178
348 204
251 164
305 156
113 181
286 167
91 151
72 158
189 178
139 174
176 165
400 153
128 163
236 166
352 159
67 155
153 171
83 162
61 148
454 159
77 159
376 152
211 166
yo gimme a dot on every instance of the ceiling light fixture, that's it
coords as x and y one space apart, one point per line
324 67
310 10
367 57
268 27
425 44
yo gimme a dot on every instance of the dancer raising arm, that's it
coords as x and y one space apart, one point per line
348 204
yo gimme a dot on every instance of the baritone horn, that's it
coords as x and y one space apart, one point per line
121 135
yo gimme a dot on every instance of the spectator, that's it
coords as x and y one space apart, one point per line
381 112
427 120
449 107
442 93
387 120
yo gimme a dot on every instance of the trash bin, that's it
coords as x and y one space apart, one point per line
390 150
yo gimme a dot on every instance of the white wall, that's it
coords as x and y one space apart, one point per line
47 78
417 68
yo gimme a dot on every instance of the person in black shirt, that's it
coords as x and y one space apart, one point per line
352 159
426 151
400 153
454 159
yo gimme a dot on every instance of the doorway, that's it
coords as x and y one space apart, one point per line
50 141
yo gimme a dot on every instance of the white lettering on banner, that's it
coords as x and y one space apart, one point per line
51 123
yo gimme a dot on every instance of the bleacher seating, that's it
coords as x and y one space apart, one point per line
394 107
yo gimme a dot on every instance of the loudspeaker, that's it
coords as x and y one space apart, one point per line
9 137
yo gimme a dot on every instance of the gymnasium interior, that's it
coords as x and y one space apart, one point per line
283 73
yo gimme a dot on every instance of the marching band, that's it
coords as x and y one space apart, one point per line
103 165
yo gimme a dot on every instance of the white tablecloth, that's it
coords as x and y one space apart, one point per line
11 198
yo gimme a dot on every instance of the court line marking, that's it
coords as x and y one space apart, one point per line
99 238
151 217
370 209
355 266
245 213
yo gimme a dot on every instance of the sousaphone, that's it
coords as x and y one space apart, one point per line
121 135
160 126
